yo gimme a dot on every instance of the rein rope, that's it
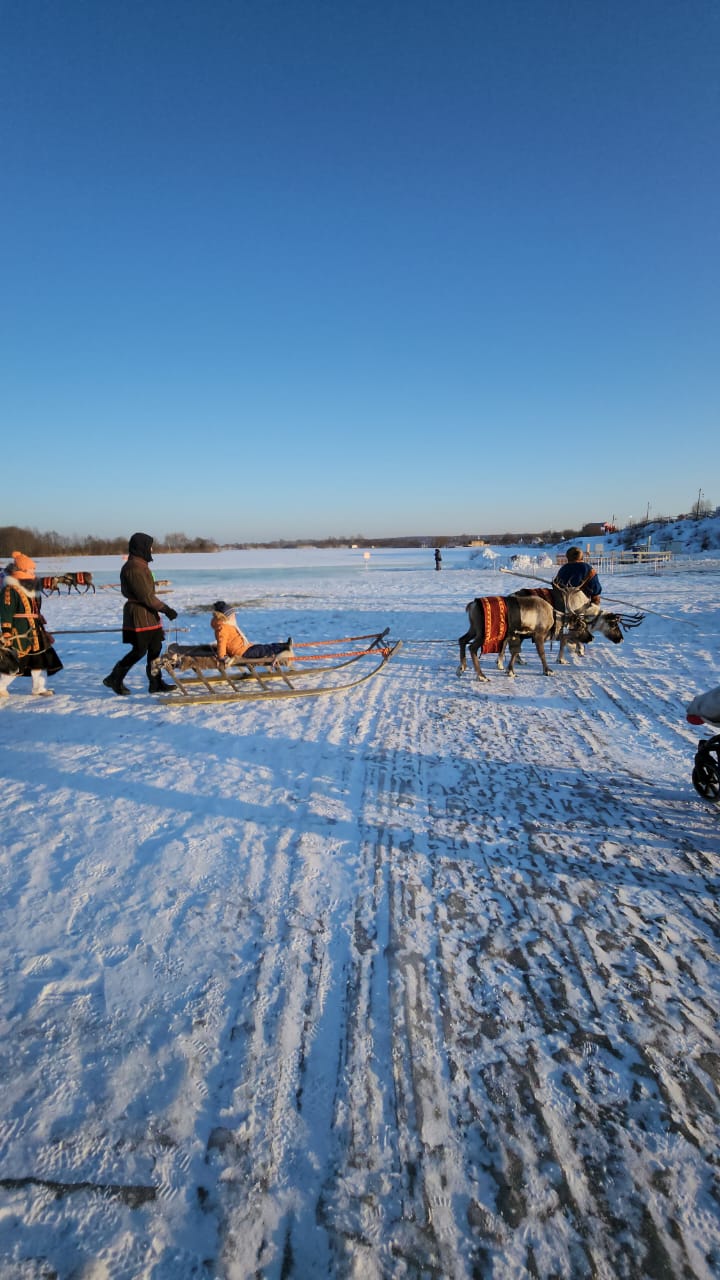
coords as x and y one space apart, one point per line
383 650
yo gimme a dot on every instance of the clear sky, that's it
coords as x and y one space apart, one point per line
295 268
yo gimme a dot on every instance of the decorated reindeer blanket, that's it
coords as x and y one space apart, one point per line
495 613
545 593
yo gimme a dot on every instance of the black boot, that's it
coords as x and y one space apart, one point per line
158 685
115 682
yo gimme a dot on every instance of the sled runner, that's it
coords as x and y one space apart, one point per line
199 678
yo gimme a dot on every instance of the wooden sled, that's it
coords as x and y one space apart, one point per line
199 680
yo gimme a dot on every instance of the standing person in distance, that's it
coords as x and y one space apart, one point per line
142 627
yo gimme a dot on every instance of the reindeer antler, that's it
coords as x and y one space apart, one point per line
628 620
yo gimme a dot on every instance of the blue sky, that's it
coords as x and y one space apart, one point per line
295 268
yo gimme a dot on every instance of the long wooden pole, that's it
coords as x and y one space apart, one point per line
613 599
103 631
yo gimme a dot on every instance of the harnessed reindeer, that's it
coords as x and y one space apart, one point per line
610 625
80 582
573 601
519 618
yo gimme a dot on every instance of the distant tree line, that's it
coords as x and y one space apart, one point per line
35 544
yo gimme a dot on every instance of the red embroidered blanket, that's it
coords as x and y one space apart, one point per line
545 593
495 614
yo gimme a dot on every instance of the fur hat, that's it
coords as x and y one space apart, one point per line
220 607
24 566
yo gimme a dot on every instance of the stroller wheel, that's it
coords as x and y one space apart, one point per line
705 775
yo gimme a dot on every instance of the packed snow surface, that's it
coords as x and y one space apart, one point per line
419 980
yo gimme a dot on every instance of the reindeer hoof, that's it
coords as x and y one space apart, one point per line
563 662
460 671
511 675
549 672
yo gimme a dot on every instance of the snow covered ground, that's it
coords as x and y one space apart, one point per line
419 980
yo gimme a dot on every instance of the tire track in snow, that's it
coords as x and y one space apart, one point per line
277 1136
452 1019
546 1136
393 1204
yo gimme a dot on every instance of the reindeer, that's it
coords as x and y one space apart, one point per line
573 601
610 625
517 618
80 582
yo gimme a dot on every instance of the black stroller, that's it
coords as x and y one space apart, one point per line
705 709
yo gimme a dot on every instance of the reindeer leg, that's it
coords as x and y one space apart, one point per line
474 646
463 642
540 646
515 643
519 660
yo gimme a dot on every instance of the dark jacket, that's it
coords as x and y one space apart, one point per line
142 609
578 573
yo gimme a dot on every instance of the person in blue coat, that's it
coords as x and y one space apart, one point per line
578 573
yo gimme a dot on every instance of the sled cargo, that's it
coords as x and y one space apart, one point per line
308 670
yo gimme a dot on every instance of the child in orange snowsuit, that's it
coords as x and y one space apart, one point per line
232 643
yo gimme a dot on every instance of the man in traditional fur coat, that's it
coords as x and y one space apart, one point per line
27 649
142 627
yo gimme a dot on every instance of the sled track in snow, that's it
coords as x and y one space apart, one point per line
459 1005
487 1102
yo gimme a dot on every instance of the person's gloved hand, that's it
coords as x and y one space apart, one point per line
171 614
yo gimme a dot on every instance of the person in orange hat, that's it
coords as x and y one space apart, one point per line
24 566
27 649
